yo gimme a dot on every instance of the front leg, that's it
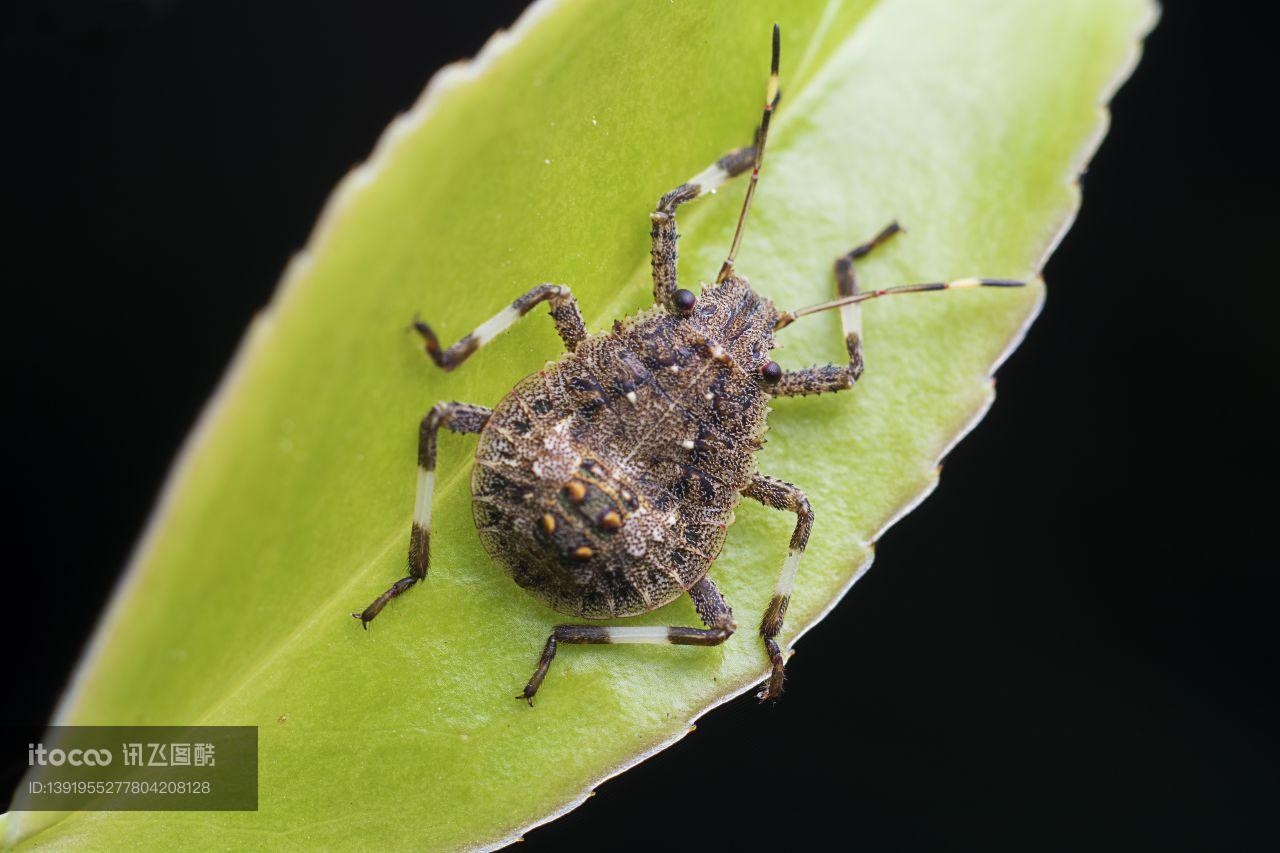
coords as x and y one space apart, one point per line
564 313
460 418
778 494
663 254
847 285
820 380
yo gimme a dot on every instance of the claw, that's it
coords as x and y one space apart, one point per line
428 336
773 687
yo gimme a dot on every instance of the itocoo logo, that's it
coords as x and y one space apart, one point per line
37 754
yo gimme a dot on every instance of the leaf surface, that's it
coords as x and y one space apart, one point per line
968 121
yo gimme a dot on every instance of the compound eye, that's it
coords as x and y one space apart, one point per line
771 372
684 300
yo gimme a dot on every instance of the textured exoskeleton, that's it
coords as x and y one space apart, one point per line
604 484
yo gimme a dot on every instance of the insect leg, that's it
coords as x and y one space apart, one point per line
564 313
778 494
707 600
827 378
663 231
847 285
457 417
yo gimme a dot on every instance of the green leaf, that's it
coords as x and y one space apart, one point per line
968 121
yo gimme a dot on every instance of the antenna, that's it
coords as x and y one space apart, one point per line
770 102
789 317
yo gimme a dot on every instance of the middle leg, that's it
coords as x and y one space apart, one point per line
457 417
778 494
564 313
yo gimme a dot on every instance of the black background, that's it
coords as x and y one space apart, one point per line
1069 643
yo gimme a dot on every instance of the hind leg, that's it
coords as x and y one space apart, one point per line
707 600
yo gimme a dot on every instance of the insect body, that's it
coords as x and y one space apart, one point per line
605 483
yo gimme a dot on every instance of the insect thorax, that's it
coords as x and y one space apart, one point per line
604 483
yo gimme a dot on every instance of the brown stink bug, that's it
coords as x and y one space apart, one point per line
604 483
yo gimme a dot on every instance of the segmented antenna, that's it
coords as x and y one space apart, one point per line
770 102
789 317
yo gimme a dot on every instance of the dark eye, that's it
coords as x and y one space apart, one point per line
684 300
771 372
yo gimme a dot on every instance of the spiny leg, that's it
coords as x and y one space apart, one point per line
564 313
712 609
826 378
778 494
847 285
663 231
460 418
